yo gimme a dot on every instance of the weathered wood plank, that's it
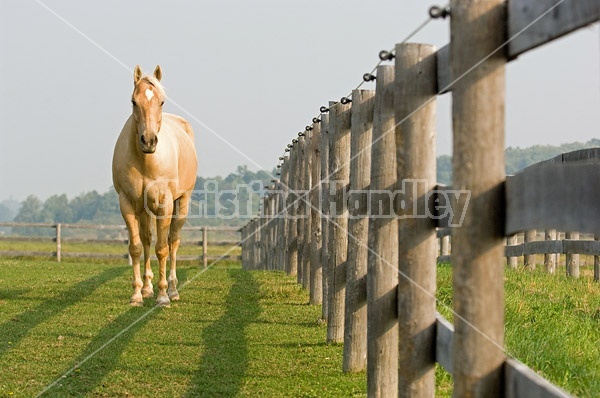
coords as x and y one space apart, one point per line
589 247
521 381
26 239
514 250
443 342
444 79
444 259
18 253
528 31
27 224
554 196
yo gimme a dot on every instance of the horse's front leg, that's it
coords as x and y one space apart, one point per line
135 248
163 224
146 237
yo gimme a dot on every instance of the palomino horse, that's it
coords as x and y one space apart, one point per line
154 172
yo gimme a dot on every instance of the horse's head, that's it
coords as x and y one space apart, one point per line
147 99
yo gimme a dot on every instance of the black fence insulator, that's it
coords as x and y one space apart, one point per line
368 77
281 158
324 109
385 55
437 12
308 128
278 166
287 149
316 120
295 140
345 100
301 134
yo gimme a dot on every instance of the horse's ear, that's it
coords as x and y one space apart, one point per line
158 73
137 74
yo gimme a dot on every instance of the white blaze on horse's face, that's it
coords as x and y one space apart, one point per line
147 100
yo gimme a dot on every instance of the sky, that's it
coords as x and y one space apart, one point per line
248 75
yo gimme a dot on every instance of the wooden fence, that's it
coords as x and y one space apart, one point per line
59 239
551 244
375 276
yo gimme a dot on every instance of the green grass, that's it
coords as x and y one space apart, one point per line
240 333
552 324
234 333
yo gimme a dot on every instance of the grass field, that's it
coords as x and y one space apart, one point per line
234 333
68 328
552 324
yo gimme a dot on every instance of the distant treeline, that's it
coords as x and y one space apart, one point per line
212 202
517 158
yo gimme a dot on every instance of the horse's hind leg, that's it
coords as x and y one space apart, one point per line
146 237
179 214
163 225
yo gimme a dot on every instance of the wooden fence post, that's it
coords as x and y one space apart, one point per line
307 214
529 259
572 259
248 245
597 263
477 31
316 265
512 241
415 83
355 323
269 224
275 227
382 280
204 247
325 211
243 245
283 214
58 243
445 245
300 207
339 166
292 249
257 241
550 258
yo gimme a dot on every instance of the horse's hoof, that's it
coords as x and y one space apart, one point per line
136 302
163 302
173 295
147 292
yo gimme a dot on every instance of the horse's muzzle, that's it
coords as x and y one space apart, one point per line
148 145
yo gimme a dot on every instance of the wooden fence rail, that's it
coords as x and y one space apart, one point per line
59 239
484 208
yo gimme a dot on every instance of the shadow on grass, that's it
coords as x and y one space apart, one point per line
102 354
19 326
225 358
